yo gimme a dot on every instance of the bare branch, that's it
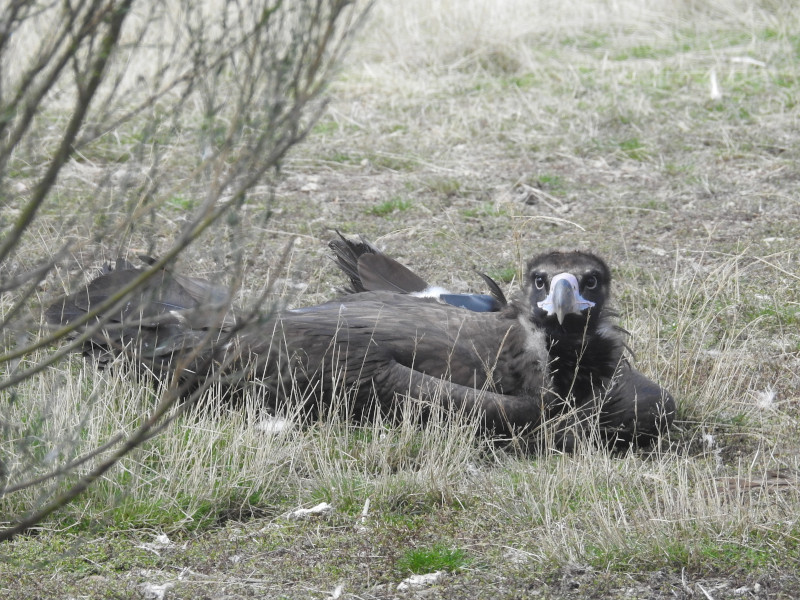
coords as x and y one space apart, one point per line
113 111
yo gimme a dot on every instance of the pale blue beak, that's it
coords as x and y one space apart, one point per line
564 298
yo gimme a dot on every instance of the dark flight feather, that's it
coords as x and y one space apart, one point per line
370 269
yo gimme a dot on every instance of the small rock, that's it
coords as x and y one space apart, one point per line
323 508
273 425
337 593
152 591
416 582
161 542
516 556
372 194
312 185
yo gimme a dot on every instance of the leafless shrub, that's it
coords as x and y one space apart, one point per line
128 123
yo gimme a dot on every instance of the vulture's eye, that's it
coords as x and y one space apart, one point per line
539 281
590 282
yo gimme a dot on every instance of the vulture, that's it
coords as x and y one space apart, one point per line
550 354
584 345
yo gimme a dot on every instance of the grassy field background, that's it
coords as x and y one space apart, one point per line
462 135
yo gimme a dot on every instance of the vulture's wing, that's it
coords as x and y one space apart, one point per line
370 270
165 314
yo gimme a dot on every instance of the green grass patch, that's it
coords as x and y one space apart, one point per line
773 314
524 81
484 210
77 555
642 51
717 556
634 148
505 275
588 40
393 162
551 182
326 127
181 203
445 186
344 158
439 557
654 204
391 206
710 556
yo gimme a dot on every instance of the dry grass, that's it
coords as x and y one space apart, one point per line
486 131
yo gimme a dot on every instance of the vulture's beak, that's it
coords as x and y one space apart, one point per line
564 298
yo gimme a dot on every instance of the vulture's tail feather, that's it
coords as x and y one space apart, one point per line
369 269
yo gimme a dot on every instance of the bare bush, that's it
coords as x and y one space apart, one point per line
137 124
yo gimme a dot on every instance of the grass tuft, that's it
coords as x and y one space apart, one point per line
389 207
438 557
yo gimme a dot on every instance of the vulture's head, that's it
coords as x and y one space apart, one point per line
567 290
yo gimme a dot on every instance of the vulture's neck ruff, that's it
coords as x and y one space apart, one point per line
565 296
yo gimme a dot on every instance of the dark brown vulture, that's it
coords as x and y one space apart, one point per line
552 351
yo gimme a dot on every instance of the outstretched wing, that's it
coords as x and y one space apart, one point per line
165 314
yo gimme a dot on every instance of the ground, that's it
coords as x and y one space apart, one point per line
463 138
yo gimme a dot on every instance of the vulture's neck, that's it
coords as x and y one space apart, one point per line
582 360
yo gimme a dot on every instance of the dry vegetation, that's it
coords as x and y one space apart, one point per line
466 135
